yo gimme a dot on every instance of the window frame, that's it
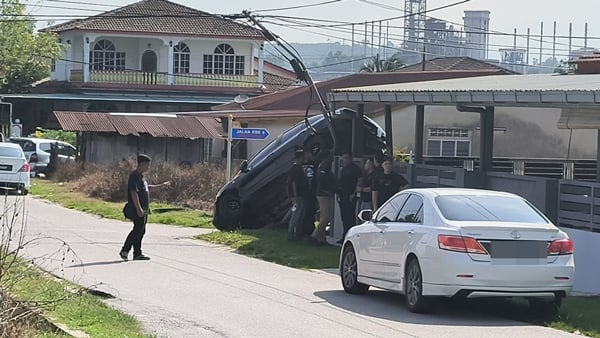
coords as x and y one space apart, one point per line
181 58
419 210
224 61
105 57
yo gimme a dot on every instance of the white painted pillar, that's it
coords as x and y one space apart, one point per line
86 58
68 60
261 66
170 66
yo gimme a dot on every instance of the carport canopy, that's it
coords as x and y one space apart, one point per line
573 93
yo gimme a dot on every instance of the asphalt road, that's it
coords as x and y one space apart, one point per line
195 289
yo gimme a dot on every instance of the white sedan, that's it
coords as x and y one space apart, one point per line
14 169
448 242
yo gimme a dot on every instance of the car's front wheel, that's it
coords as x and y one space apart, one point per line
229 211
349 272
413 288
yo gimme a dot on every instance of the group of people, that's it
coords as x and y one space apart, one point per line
314 187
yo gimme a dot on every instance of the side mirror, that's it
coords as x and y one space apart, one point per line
244 166
365 215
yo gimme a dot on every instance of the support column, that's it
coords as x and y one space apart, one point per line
68 62
261 66
419 134
389 137
598 158
86 59
170 63
486 147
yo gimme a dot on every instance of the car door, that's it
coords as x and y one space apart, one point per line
402 236
371 241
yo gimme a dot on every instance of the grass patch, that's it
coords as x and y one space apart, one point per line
271 245
67 303
67 196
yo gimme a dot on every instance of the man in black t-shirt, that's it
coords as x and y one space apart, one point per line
364 187
348 177
138 195
387 184
297 187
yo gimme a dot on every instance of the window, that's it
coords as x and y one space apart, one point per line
449 132
53 65
223 61
412 211
449 148
104 57
488 208
181 58
389 211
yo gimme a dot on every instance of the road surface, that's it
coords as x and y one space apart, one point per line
195 289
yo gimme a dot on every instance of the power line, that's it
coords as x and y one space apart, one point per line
297 7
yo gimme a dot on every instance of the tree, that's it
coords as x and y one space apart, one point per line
24 55
376 65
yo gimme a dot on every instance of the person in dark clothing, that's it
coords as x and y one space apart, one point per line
377 160
364 186
325 193
348 177
310 199
138 195
297 187
387 184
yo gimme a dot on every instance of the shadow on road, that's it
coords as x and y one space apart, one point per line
83 265
390 306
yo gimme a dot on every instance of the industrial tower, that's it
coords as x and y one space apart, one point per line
414 24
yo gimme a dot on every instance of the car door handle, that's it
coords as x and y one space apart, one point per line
411 232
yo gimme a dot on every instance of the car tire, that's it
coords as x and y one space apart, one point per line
229 210
349 272
545 307
24 192
413 289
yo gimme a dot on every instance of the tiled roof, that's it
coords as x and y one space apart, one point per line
454 63
173 126
297 98
160 17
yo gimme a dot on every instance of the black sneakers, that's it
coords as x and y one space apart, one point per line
123 255
141 258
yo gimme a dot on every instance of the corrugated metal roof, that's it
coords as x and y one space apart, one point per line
191 127
510 90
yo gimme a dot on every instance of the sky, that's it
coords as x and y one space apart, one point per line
506 15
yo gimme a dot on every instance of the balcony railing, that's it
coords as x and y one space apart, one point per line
152 78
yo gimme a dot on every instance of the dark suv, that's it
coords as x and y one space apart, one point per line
256 195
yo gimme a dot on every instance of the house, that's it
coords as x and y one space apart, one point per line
147 57
280 110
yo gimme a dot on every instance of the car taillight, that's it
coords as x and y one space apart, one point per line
33 157
461 244
561 247
24 168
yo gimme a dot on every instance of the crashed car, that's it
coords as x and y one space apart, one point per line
256 196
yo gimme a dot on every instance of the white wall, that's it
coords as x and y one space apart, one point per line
587 268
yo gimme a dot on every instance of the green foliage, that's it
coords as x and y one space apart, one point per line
61 135
24 55
377 65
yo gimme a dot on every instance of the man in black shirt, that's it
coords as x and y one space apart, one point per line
387 184
138 195
297 187
364 186
347 180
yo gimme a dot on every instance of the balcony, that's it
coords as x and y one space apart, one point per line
146 78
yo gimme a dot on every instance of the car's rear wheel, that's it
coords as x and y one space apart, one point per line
413 288
349 273
229 211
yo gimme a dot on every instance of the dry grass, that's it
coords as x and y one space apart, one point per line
192 186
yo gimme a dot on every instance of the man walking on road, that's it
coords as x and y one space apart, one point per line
138 196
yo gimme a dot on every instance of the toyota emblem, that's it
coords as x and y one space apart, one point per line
515 234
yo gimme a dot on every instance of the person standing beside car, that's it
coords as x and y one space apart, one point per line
364 186
387 184
138 196
348 177
325 193
297 186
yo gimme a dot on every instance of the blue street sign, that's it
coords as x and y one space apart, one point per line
249 133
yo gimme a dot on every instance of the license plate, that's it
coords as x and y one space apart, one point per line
6 167
519 249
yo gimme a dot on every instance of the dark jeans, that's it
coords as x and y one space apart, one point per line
135 236
347 209
310 209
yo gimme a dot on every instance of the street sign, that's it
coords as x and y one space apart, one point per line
249 134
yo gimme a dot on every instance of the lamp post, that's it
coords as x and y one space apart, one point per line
229 128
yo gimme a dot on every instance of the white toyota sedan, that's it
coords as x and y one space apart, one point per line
447 242
14 168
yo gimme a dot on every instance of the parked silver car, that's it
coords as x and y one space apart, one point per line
14 169
37 152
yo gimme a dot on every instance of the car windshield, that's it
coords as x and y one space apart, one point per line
488 208
10 152
280 140
25 144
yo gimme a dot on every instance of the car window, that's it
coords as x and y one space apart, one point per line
11 152
412 211
26 145
488 208
389 211
66 150
45 146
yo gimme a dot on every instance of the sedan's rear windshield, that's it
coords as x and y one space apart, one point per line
10 152
488 208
